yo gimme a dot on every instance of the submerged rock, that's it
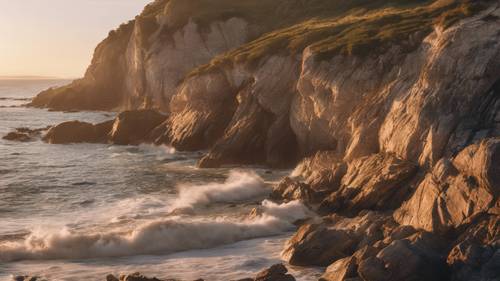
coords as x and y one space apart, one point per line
25 134
17 136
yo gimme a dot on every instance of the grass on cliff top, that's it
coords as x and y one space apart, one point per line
356 28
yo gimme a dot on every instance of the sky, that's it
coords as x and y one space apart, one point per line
57 37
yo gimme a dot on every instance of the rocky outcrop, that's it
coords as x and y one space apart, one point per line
128 128
134 127
377 182
78 132
277 272
455 192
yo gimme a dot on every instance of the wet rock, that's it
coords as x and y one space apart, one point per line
289 190
25 134
133 127
376 182
78 132
445 199
277 272
17 136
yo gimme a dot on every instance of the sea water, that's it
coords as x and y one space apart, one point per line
82 211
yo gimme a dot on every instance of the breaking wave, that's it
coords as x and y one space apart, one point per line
157 237
239 186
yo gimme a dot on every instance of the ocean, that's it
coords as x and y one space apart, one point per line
82 211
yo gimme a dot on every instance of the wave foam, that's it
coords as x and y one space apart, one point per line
158 237
239 186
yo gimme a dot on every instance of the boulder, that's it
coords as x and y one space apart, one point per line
17 136
277 272
133 127
376 182
290 189
318 245
78 132
444 200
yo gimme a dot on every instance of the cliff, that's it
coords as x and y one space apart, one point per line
394 105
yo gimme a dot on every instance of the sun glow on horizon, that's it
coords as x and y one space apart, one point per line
56 38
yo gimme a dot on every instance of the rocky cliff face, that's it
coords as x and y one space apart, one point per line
398 101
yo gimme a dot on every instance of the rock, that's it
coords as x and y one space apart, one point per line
137 277
28 278
289 190
376 182
341 270
473 252
323 171
415 258
78 132
111 277
481 161
444 200
277 272
336 238
25 134
17 136
318 245
133 127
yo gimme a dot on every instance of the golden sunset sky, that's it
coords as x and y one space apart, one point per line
57 37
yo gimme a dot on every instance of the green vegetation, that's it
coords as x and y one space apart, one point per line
359 27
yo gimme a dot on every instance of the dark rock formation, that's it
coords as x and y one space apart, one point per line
25 134
78 132
277 272
134 127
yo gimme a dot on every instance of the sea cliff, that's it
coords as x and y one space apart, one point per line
391 109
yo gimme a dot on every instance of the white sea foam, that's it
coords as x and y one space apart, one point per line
157 237
239 186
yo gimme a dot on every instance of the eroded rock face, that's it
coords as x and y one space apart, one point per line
378 182
78 132
481 161
447 198
339 237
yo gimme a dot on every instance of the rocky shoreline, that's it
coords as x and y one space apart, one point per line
277 272
390 116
